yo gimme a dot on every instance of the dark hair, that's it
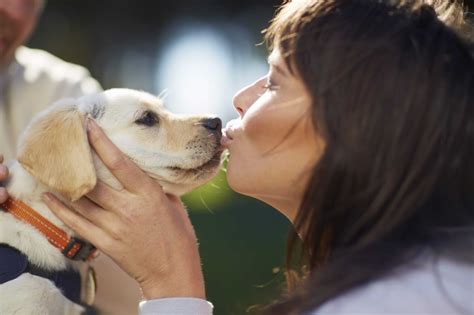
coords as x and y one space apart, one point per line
392 85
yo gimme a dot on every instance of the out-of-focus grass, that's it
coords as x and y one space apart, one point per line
210 197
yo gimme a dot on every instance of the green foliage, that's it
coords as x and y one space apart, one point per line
210 197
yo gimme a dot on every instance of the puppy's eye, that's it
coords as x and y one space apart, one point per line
148 119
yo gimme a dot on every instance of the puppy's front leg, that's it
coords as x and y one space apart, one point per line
43 298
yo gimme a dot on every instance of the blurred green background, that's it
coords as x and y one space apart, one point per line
201 52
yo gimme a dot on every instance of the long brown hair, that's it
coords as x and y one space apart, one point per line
392 86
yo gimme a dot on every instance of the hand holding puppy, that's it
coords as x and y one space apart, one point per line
146 231
3 176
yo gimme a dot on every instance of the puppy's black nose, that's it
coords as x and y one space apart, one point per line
212 124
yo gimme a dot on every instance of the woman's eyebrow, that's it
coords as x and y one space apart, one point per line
278 69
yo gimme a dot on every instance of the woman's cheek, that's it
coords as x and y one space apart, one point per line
261 133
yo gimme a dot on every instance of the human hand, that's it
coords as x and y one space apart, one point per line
3 176
146 232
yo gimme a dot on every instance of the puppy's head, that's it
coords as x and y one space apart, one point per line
181 152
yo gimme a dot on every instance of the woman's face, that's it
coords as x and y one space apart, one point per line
273 145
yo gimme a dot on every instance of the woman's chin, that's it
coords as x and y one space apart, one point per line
235 179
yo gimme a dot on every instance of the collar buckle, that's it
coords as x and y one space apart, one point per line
77 249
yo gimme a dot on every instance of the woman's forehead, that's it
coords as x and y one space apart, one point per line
275 59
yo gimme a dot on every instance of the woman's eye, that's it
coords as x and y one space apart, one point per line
269 86
148 119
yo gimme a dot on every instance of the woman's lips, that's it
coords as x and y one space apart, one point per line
226 138
227 132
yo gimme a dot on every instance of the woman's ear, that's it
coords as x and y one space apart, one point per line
54 149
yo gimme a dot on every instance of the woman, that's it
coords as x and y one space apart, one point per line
361 134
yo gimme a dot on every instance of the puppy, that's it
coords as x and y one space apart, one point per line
180 152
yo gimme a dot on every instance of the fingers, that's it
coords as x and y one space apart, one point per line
128 174
93 213
78 223
173 198
3 172
3 195
104 195
3 176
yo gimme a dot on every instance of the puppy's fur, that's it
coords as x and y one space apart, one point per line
180 152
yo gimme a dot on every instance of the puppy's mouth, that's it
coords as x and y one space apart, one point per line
212 163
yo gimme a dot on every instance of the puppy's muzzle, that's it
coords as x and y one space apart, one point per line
213 125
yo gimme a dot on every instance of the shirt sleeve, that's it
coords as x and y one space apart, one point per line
176 306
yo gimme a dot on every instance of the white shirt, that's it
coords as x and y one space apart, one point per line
429 286
34 80
176 306
426 287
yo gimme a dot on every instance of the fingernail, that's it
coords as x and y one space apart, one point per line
88 124
3 194
91 124
47 197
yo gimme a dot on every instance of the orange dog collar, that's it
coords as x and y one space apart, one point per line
71 247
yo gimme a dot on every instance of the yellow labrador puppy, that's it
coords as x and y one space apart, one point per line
180 152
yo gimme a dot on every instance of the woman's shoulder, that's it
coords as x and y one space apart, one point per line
426 286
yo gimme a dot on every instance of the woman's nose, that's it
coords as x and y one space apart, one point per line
244 98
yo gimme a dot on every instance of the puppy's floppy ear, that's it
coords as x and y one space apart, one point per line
55 150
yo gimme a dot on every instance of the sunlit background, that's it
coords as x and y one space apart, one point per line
198 54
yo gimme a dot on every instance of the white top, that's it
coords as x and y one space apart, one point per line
176 306
34 80
428 287
432 287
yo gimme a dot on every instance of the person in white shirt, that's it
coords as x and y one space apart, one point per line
33 80
30 80
361 134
